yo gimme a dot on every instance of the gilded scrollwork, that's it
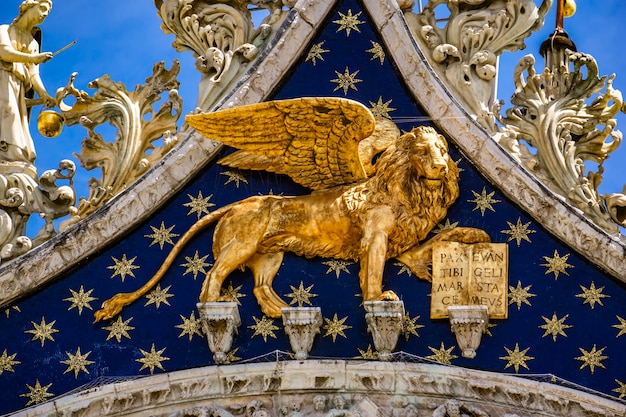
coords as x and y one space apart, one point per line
221 36
560 120
465 50
139 126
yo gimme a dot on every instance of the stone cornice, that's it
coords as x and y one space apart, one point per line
369 387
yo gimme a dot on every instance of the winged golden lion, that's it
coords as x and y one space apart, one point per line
359 209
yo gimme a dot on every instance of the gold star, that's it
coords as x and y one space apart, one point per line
152 359
337 266
37 394
235 177
621 326
195 265
368 354
516 358
346 81
488 329
231 294
42 331
316 53
335 327
231 357
162 235
554 326
300 295
446 226
199 205
377 52
592 358
7 311
519 295
158 296
442 355
592 295
518 231
410 325
123 267
190 326
621 389
457 165
403 269
77 362
80 299
348 22
7 362
119 328
264 327
483 201
556 264
381 109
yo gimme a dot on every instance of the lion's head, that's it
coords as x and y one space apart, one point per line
418 174
419 160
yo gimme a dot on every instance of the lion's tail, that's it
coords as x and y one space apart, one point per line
115 304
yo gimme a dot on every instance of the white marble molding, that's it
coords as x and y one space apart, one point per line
372 388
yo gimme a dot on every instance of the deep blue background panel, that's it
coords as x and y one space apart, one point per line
594 326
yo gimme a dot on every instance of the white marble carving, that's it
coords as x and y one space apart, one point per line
553 132
220 322
221 36
414 389
468 324
301 325
465 51
385 321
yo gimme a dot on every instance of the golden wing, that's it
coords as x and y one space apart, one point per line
313 140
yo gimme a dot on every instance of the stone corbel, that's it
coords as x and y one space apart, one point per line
385 321
220 321
301 325
468 323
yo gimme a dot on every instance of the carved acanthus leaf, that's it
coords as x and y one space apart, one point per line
222 37
133 152
465 50
552 115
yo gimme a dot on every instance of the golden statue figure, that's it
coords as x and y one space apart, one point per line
19 76
359 209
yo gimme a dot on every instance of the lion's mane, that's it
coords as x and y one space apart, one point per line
397 183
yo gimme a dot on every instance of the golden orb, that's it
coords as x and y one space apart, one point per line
50 123
569 8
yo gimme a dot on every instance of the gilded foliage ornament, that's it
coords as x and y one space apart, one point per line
139 125
559 122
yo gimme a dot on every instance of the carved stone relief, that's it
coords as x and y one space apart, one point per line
406 390
465 51
221 36
553 132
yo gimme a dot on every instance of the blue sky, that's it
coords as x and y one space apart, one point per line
124 40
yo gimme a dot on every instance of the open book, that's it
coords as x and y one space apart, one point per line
470 274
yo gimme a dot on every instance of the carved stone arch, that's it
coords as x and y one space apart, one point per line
367 388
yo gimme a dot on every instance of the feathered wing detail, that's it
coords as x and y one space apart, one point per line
313 140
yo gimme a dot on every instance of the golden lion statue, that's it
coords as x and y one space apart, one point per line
323 144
